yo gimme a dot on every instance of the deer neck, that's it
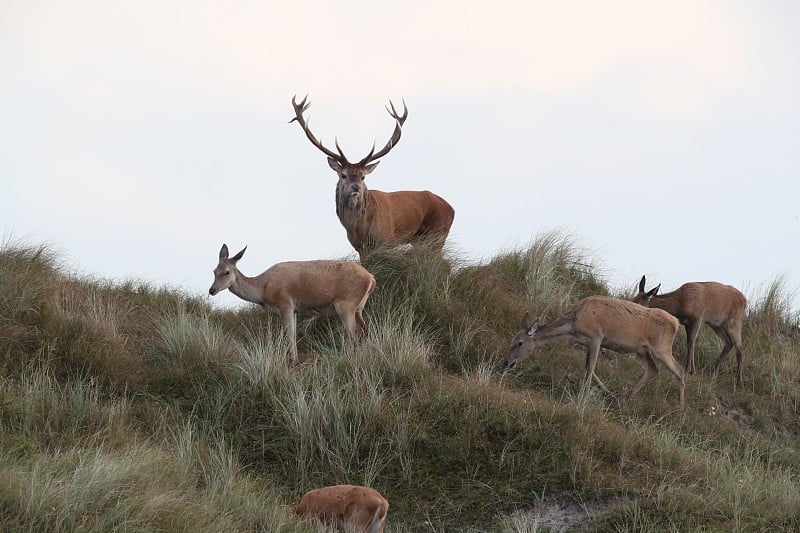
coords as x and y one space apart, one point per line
560 328
352 210
247 288
669 302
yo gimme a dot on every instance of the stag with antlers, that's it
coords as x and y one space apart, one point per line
373 217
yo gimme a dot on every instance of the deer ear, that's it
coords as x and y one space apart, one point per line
223 252
525 324
533 328
239 255
653 291
641 284
334 164
370 168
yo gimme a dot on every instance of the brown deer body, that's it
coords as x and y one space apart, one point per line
720 306
373 217
346 506
602 321
295 286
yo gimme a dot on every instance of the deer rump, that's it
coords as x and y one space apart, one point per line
345 505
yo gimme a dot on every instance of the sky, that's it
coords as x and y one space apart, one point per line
662 136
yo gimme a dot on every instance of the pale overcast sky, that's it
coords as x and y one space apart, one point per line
137 137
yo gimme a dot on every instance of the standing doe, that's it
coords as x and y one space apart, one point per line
296 286
373 217
720 306
346 506
602 321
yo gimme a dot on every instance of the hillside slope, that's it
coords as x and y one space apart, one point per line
130 407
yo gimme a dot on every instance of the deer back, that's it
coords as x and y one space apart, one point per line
624 324
715 302
310 284
397 217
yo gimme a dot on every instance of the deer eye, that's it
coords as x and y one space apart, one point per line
519 344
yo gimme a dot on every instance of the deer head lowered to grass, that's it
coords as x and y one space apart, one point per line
294 286
720 306
373 217
602 321
352 507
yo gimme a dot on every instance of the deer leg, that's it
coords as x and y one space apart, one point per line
736 337
692 329
592 352
737 341
732 339
650 370
290 325
597 380
722 333
673 366
363 518
377 522
348 319
362 325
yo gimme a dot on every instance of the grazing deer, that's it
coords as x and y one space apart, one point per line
295 286
373 217
602 321
720 306
347 506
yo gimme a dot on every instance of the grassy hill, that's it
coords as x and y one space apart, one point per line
137 408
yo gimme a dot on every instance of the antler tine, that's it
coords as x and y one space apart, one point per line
368 157
299 109
395 138
393 112
339 149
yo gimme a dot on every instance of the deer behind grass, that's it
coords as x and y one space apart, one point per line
720 306
373 217
602 321
346 506
294 286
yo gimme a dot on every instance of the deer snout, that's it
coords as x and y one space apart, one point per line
211 291
510 365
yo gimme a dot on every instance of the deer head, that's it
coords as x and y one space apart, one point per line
225 272
351 189
643 297
523 342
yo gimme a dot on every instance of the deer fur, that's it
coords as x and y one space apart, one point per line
350 507
373 217
295 286
720 306
602 321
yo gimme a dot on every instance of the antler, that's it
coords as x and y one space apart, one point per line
399 120
299 109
